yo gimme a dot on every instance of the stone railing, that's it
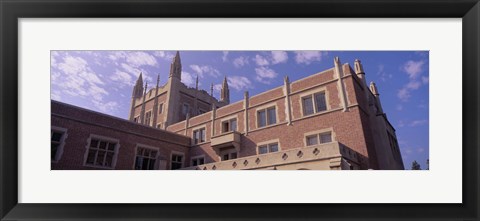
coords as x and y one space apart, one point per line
330 151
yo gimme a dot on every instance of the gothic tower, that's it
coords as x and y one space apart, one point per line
176 67
136 93
225 92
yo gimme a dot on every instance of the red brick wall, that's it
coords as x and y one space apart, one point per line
81 123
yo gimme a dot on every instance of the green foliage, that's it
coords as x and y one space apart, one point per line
415 165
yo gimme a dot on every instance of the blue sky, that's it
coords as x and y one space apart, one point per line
103 80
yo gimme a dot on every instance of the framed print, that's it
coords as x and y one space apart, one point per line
239 110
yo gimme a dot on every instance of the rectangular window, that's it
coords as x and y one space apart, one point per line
148 118
314 103
229 156
101 152
200 111
307 106
319 138
268 148
145 158
136 119
266 117
262 118
326 137
320 101
185 109
229 125
177 162
160 108
199 136
312 140
56 143
198 161
159 125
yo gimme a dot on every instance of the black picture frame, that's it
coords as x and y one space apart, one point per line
12 10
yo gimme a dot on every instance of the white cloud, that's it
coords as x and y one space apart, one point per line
420 150
399 107
164 55
425 80
260 60
265 74
404 94
279 57
240 61
384 76
307 57
413 68
188 79
122 77
205 69
106 107
417 123
238 83
140 58
224 57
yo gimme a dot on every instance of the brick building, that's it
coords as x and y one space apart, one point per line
328 121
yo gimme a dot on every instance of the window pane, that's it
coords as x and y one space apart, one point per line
111 146
233 155
54 150
225 127
262 119
151 165
273 147
225 157
103 145
56 136
233 125
307 106
312 140
100 158
109 159
202 135
94 143
262 149
201 161
138 163
320 102
326 138
145 164
91 156
272 117
194 162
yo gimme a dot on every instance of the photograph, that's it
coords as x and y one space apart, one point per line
239 110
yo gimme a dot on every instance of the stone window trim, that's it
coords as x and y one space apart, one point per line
136 119
229 153
203 126
138 145
150 118
64 132
229 120
186 110
318 132
102 138
173 152
265 108
160 108
312 93
196 158
267 143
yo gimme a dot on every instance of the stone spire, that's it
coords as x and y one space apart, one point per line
155 103
138 88
136 93
142 113
373 88
358 67
211 90
176 67
225 92
196 83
